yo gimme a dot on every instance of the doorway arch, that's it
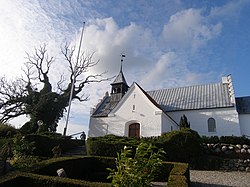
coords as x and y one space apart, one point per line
134 130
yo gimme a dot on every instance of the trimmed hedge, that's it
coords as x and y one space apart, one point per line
45 143
91 168
26 179
226 139
108 145
84 168
207 162
179 175
180 145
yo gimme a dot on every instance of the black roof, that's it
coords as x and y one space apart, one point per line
243 105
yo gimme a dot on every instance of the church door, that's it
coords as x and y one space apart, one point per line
134 130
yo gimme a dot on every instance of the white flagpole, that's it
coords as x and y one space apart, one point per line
73 83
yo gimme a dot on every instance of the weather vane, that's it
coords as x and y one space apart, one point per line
122 56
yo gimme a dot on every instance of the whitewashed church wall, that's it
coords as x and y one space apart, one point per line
245 124
97 127
137 108
227 121
168 125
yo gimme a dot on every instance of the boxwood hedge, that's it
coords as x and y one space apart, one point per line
45 143
180 145
84 171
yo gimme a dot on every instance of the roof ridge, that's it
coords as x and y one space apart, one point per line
184 87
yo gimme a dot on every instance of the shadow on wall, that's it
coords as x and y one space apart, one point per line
98 130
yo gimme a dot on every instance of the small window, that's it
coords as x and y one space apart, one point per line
211 125
133 107
172 128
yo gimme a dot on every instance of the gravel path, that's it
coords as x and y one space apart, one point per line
219 178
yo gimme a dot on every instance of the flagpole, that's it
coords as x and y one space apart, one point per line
73 82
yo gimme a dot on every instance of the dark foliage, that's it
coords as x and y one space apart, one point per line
7 131
181 145
184 123
45 143
226 139
108 145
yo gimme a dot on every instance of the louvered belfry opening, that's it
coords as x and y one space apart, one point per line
119 87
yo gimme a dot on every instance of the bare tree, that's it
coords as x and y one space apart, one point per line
22 95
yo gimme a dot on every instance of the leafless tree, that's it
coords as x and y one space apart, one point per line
22 96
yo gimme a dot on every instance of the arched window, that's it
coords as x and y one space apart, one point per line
211 125
134 130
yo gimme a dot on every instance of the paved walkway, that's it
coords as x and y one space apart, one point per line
219 179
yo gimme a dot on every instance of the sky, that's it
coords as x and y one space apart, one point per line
167 43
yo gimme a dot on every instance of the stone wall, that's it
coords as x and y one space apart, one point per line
236 165
234 157
227 149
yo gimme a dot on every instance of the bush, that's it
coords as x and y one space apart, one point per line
234 140
207 162
212 139
108 145
179 175
45 143
139 170
34 180
7 130
226 139
181 145
24 161
84 168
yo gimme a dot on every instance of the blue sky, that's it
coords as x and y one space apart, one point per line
167 43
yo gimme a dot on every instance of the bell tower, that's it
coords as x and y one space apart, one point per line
119 87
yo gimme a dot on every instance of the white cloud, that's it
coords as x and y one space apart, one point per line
108 41
230 10
158 74
189 29
153 61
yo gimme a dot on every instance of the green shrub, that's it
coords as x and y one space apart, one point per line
87 169
138 170
181 145
212 139
44 143
84 168
179 175
226 139
4 141
21 146
108 145
207 162
34 180
24 161
7 130
234 140
177 180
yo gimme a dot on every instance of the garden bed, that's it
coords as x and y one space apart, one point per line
84 171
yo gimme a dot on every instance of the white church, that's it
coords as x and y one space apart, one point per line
211 109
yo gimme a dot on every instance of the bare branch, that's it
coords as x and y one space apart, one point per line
60 82
41 61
